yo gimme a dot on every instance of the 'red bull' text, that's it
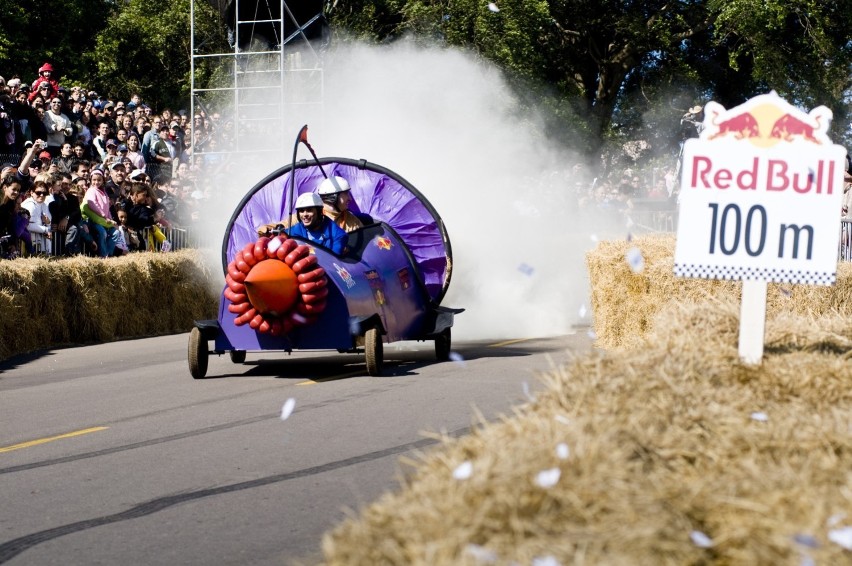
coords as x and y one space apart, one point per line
774 175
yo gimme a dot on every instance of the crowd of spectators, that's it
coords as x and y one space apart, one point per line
93 175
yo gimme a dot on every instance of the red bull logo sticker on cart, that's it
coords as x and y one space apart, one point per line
760 195
344 275
383 243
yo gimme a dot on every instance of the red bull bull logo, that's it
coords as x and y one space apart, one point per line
741 126
765 121
788 127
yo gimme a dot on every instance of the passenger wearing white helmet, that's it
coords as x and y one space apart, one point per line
316 228
335 194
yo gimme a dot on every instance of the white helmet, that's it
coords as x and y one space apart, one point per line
333 185
308 200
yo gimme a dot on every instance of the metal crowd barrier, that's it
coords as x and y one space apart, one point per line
844 253
178 238
652 220
656 221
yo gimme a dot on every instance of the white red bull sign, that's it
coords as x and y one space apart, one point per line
761 193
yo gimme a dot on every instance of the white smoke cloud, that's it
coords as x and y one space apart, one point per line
448 123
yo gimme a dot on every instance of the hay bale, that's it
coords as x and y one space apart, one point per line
624 303
35 305
79 300
667 439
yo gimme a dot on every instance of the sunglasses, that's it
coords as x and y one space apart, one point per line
40 193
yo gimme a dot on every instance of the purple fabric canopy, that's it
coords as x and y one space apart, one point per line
376 191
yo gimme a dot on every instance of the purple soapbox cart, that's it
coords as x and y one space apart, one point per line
386 287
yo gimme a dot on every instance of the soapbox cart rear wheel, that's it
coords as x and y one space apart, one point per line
197 354
373 351
443 343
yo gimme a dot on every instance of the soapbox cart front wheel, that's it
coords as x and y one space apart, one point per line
443 344
373 351
197 354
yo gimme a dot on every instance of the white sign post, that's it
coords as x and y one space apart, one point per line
761 192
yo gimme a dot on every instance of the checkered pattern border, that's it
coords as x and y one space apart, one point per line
771 275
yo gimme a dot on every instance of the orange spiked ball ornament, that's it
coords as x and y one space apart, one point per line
272 287
275 285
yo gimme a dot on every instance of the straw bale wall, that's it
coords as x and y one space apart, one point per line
625 302
54 302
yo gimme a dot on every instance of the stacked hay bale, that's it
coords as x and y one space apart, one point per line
667 450
79 300
625 301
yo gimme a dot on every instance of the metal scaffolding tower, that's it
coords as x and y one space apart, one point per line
268 85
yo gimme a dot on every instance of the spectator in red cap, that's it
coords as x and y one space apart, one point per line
45 74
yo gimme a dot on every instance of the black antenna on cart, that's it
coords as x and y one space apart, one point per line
301 138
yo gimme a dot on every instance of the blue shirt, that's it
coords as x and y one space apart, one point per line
328 235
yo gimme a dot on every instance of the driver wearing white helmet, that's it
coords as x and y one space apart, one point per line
335 194
316 228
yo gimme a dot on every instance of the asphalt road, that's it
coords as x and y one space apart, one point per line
113 454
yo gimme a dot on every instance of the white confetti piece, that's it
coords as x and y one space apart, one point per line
287 409
759 416
594 237
548 478
457 358
563 419
562 451
836 518
629 222
545 561
582 311
526 269
480 553
809 541
526 388
591 334
700 539
463 471
842 537
273 245
786 292
493 7
635 260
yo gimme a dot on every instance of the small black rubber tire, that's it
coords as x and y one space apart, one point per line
443 344
374 351
237 356
197 354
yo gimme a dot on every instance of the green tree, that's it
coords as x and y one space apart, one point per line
61 32
146 49
607 65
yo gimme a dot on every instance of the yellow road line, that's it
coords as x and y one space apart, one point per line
507 342
51 438
330 378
